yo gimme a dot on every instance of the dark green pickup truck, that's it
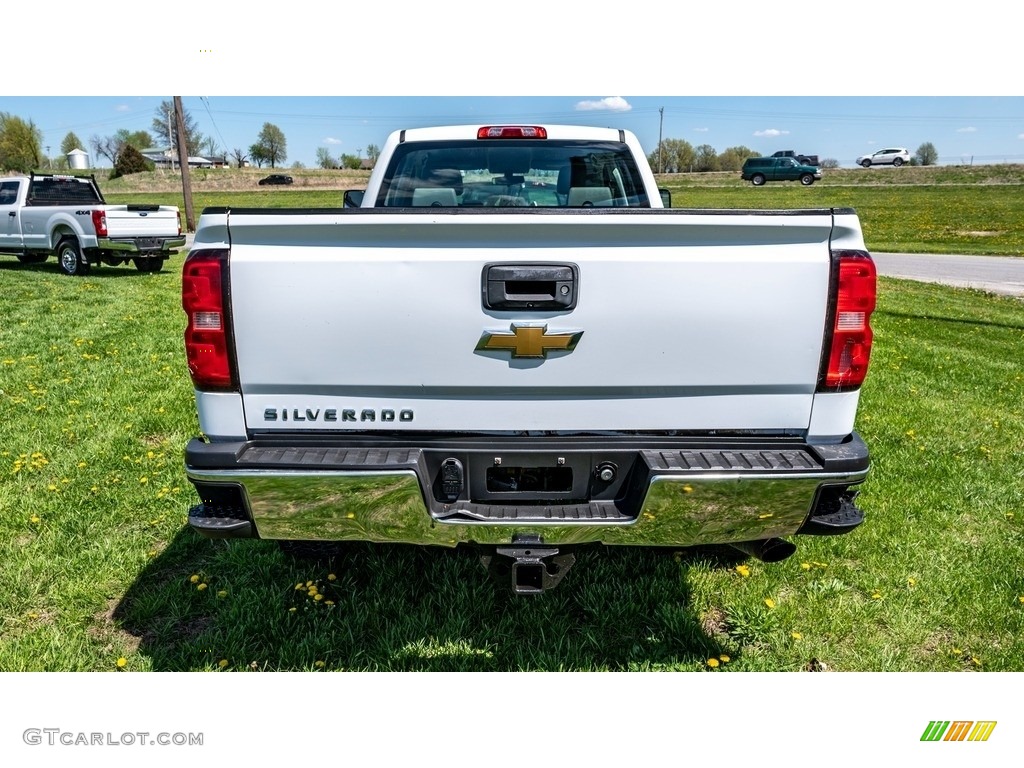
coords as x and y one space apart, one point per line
758 170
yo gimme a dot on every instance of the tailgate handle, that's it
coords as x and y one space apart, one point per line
530 286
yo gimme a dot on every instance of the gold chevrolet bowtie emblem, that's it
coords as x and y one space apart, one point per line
528 341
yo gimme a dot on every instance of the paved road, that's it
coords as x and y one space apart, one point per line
994 274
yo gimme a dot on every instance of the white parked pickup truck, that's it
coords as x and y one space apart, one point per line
68 217
512 344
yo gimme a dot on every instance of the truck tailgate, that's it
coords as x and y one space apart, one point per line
375 320
141 221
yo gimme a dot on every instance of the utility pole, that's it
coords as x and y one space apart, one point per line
186 183
661 123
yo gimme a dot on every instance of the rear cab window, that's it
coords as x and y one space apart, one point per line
512 173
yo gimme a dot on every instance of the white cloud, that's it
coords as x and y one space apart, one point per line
332 140
610 104
968 129
1020 135
771 133
701 130
122 108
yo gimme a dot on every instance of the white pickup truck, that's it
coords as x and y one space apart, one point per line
67 216
512 344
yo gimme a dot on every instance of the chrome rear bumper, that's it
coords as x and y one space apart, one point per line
680 492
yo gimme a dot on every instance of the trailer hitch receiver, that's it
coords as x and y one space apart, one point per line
532 567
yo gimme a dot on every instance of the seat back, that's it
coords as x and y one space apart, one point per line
589 196
434 196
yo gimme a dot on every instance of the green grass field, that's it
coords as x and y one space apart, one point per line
101 572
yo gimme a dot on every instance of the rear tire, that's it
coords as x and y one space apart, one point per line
70 258
757 179
149 265
807 179
898 162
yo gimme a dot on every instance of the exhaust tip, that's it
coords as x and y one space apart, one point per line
767 550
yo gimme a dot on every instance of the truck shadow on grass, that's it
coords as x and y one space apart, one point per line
102 271
244 605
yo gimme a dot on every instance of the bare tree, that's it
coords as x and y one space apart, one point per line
240 158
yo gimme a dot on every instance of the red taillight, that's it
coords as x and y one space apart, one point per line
512 132
207 337
99 222
850 343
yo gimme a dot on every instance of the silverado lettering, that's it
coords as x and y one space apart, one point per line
331 414
712 400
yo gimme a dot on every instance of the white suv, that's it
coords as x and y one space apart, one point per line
896 156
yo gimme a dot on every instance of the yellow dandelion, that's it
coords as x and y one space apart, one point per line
309 583
194 578
1020 598
876 595
796 635
351 515
328 602
805 566
202 586
293 609
712 663
33 615
300 585
743 570
687 489
318 597
122 663
319 664
151 554
143 479
222 593
331 577
769 602
911 581
34 519
975 661
223 663
724 659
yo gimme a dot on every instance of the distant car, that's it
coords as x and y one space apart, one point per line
758 170
895 156
276 178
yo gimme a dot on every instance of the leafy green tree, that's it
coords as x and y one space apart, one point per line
927 154
373 152
352 162
165 117
139 139
70 142
732 158
130 160
324 159
20 144
672 156
271 145
706 159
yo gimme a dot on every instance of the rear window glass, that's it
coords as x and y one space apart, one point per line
61 191
511 173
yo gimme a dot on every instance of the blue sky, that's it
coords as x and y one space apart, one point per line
982 129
